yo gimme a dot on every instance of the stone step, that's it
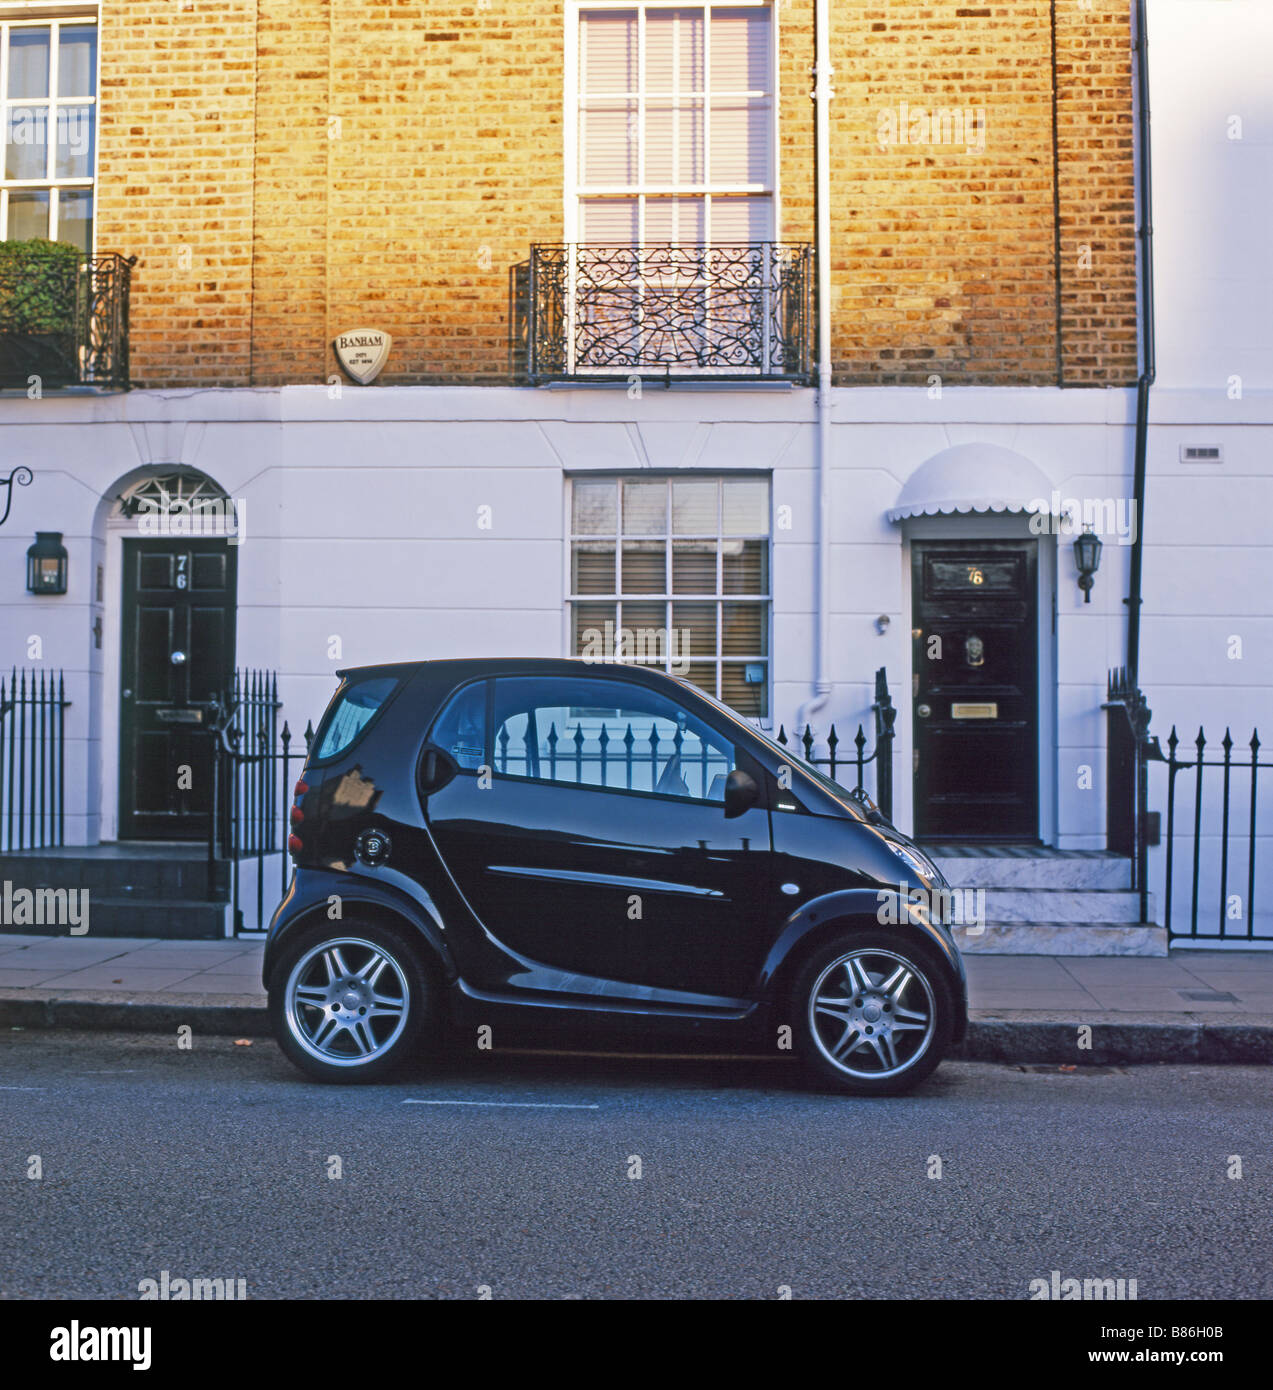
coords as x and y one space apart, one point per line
171 919
1095 870
1061 905
167 879
1064 939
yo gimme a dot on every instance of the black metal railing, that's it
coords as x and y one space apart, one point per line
885 715
1210 844
64 319
1129 828
1219 823
251 786
33 708
672 311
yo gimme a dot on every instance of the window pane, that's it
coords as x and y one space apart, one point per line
703 675
644 509
77 61
682 220
700 619
739 220
354 709
746 507
577 731
694 567
647 614
742 692
28 215
593 638
744 630
694 507
28 62
26 149
609 221
674 50
75 217
740 50
644 567
740 142
642 637
608 50
607 149
745 566
73 155
674 142
595 510
592 567
460 728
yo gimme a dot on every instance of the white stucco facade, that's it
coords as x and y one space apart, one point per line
388 523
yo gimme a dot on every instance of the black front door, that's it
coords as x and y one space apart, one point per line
975 690
178 656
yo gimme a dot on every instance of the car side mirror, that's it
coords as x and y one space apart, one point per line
435 771
741 793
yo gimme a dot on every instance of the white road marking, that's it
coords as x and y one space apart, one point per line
508 1104
21 1088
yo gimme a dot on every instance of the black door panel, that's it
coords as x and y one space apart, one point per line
975 690
573 854
179 597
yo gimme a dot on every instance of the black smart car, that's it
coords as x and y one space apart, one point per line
487 844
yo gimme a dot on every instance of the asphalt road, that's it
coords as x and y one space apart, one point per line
213 1163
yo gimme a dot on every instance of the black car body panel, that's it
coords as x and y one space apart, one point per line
534 894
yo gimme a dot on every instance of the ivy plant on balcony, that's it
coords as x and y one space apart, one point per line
40 284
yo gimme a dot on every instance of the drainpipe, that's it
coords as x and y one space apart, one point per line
822 95
1145 234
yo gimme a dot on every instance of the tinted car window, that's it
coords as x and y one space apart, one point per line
606 733
353 709
460 728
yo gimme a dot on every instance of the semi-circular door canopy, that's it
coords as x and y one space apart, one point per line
975 478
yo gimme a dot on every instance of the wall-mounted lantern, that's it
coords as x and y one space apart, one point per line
46 564
1087 557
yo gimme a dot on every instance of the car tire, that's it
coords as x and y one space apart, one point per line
351 1001
886 1034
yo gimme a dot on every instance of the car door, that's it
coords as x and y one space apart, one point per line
597 840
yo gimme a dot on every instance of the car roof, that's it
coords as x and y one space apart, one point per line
465 668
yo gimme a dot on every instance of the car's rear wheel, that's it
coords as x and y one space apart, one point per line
349 1002
873 1013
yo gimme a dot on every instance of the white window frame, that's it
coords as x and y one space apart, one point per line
668 597
575 191
53 19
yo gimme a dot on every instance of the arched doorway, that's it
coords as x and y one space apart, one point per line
171 545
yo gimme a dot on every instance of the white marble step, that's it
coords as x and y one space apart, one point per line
1060 905
1064 939
1089 871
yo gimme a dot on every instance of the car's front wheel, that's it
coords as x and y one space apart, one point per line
873 1013
349 1003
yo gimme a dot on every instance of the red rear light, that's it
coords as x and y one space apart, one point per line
297 815
300 789
294 844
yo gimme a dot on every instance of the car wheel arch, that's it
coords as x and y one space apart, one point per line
426 937
780 976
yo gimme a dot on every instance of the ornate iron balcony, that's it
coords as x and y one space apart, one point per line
676 312
63 317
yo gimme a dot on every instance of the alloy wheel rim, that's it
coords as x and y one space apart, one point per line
872 1013
347 1001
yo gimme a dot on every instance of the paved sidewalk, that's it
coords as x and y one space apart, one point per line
1194 1005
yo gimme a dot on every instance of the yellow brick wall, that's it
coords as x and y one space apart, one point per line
289 169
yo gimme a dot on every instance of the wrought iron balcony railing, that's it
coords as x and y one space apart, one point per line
63 317
672 311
